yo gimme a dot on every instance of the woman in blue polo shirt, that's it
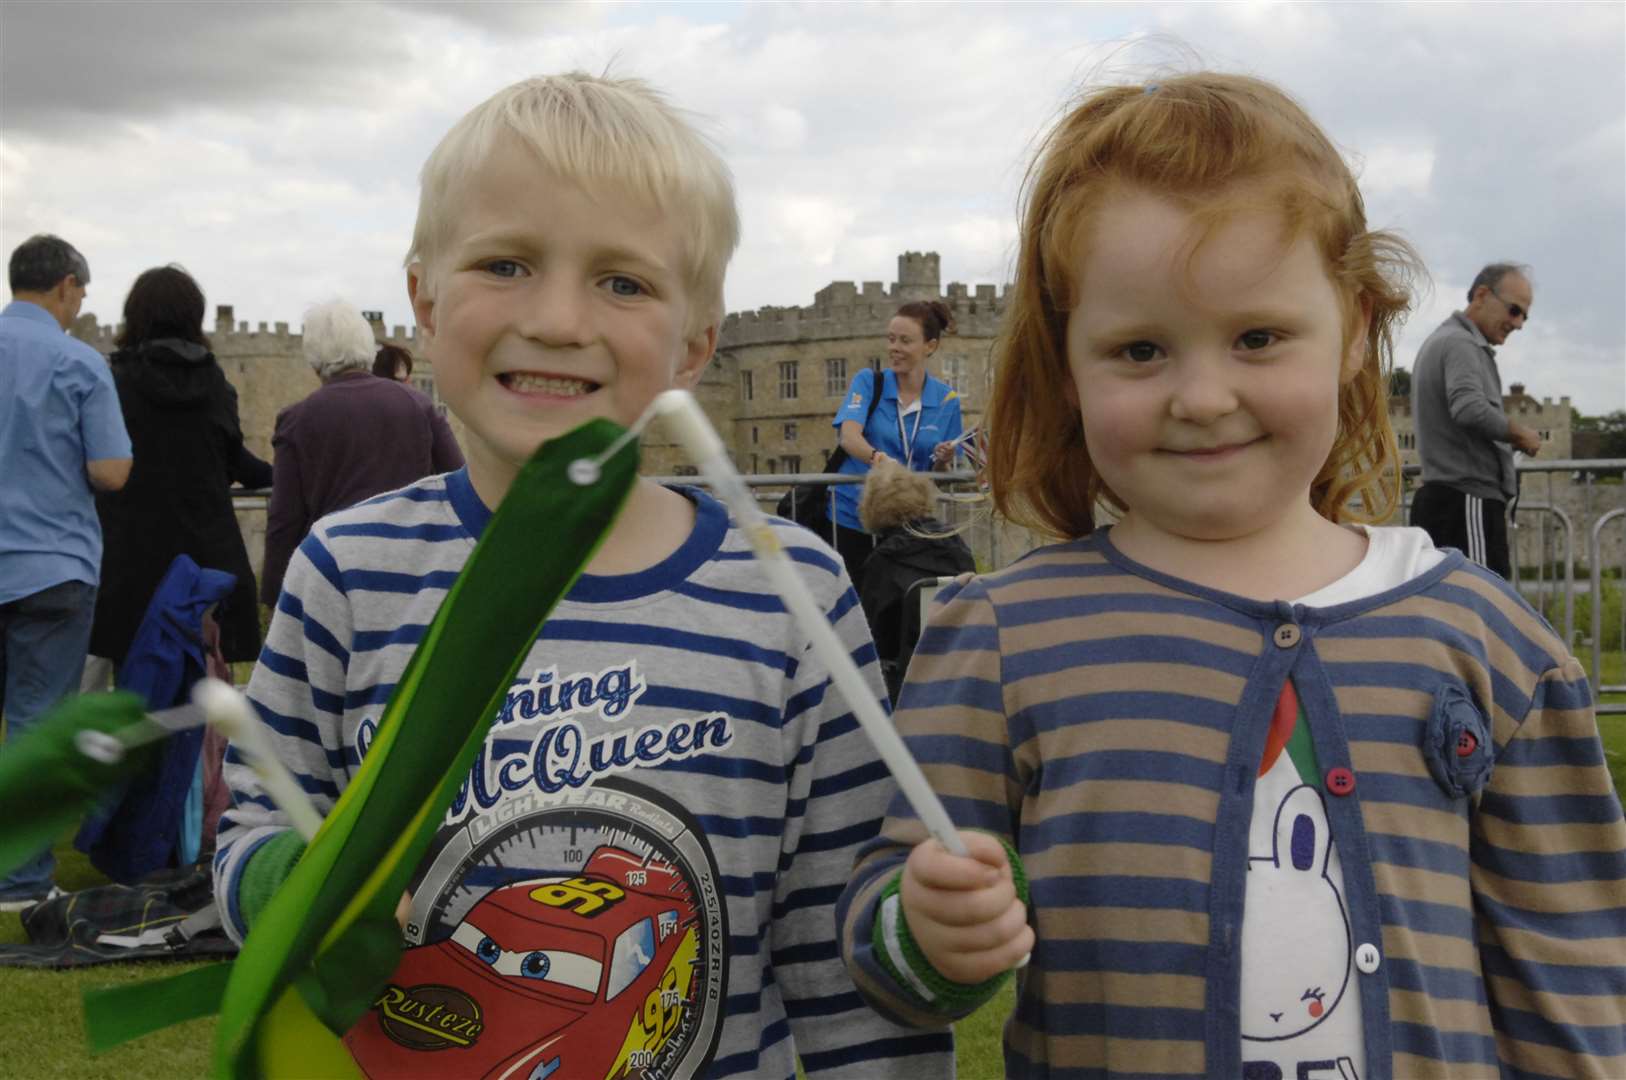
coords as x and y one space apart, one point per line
915 422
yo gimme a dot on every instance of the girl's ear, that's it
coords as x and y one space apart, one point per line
1355 353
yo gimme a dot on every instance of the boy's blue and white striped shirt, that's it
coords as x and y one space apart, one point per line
747 739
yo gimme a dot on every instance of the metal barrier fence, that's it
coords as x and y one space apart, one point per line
1569 502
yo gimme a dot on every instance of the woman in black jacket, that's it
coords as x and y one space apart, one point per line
188 448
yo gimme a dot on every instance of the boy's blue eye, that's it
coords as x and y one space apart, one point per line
1256 339
503 268
625 286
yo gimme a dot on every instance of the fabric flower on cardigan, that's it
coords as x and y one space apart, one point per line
1457 743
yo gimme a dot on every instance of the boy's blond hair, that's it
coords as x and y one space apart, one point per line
1217 144
619 134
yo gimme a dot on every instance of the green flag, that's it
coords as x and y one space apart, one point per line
328 941
48 781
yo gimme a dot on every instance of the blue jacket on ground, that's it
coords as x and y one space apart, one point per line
139 832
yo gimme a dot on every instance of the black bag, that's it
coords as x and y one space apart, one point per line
807 504
170 914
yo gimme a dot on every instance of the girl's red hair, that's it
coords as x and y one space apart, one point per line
1216 144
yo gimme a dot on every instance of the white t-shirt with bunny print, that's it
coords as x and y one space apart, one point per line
1301 1012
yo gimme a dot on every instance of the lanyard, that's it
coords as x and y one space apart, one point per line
909 440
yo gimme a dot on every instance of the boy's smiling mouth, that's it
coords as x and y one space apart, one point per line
529 382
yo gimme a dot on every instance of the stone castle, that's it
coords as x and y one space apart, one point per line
779 375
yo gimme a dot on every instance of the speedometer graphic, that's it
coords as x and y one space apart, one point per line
581 934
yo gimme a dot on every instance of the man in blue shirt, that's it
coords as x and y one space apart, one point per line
61 434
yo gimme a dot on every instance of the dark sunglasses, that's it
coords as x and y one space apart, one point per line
1513 310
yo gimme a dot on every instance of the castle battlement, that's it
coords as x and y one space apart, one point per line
842 310
232 338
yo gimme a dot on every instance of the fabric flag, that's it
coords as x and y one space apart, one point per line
47 782
328 941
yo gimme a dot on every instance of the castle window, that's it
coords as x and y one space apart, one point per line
790 431
426 383
835 376
1546 436
755 468
787 378
747 391
753 434
955 373
685 470
875 363
792 463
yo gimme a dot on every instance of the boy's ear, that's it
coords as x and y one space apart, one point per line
697 352
422 298
1355 354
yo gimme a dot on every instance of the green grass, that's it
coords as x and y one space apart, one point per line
979 1038
42 1032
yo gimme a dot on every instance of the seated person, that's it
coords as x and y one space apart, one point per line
910 545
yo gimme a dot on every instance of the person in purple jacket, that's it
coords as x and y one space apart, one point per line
356 436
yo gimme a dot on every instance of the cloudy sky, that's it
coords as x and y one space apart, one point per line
273 148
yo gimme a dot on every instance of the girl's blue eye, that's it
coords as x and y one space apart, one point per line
1256 339
487 950
1141 352
625 286
535 965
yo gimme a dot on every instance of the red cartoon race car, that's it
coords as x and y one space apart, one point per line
563 977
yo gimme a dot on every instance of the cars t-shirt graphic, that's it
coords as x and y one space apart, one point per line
581 934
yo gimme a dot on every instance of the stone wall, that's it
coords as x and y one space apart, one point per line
825 344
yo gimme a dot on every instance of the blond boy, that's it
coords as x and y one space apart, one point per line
638 876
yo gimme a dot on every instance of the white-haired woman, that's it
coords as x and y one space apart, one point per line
354 437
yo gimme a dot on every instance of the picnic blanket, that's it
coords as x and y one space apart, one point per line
169 915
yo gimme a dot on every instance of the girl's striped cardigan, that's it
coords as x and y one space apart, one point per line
1108 720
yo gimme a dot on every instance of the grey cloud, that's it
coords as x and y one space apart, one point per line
1526 128
503 16
63 64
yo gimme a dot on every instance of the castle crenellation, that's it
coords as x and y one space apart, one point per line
228 337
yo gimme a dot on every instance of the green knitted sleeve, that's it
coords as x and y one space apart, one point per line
899 953
265 872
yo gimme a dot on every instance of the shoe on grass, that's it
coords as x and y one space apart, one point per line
22 903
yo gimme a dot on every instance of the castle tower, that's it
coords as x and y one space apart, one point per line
918 277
